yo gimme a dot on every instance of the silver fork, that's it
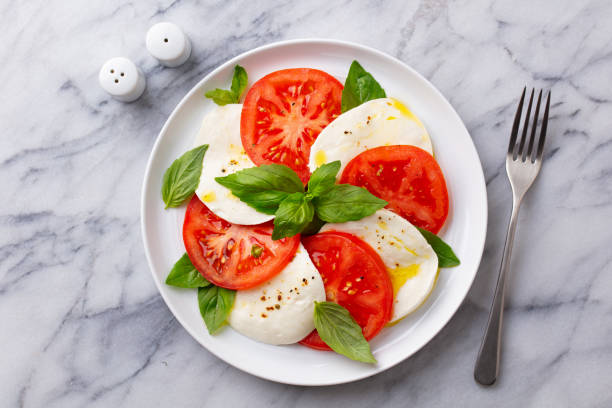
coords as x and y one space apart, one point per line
523 164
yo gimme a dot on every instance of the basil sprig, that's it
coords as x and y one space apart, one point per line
263 187
446 256
293 215
360 87
182 177
323 178
239 83
276 189
215 305
339 202
338 330
185 275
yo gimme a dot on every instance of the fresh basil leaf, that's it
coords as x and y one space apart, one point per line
185 275
323 178
263 187
338 330
360 87
313 226
182 177
215 305
222 96
239 82
293 214
345 202
446 256
266 202
268 177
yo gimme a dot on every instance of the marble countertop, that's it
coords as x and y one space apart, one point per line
82 323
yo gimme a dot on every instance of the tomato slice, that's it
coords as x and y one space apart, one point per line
408 178
223 252
284 112
354 277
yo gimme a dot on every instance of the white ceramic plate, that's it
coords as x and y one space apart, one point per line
465 228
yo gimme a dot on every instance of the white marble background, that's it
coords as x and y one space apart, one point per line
81 323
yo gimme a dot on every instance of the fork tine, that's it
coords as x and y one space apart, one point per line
525 127
529 153
515 125
543 131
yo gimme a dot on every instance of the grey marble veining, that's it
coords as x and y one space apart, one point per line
81 323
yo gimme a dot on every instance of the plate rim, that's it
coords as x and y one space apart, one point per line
311 41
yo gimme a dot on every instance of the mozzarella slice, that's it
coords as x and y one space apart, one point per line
410 260
280 311
221 131
379 122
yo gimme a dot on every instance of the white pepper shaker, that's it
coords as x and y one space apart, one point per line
168 44
122 79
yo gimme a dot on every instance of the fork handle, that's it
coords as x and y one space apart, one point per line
487 363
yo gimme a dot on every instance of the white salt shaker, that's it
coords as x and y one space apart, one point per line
168 44
122 79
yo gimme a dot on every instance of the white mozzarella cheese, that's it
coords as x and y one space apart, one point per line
280 311
221 131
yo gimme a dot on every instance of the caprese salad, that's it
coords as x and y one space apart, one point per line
312 211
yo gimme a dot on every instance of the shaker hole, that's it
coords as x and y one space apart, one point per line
112 71
165 40
116 80
122 74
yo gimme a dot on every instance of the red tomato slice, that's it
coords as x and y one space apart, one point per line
221 251
354 277
408 178
284 112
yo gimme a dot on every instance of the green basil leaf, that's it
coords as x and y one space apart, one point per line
215 305
268 177
222 96
185 275
339 331
293 214
360 87
313 226
446 256
345 202
266 202
239 82
263 187
182 177
323 178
